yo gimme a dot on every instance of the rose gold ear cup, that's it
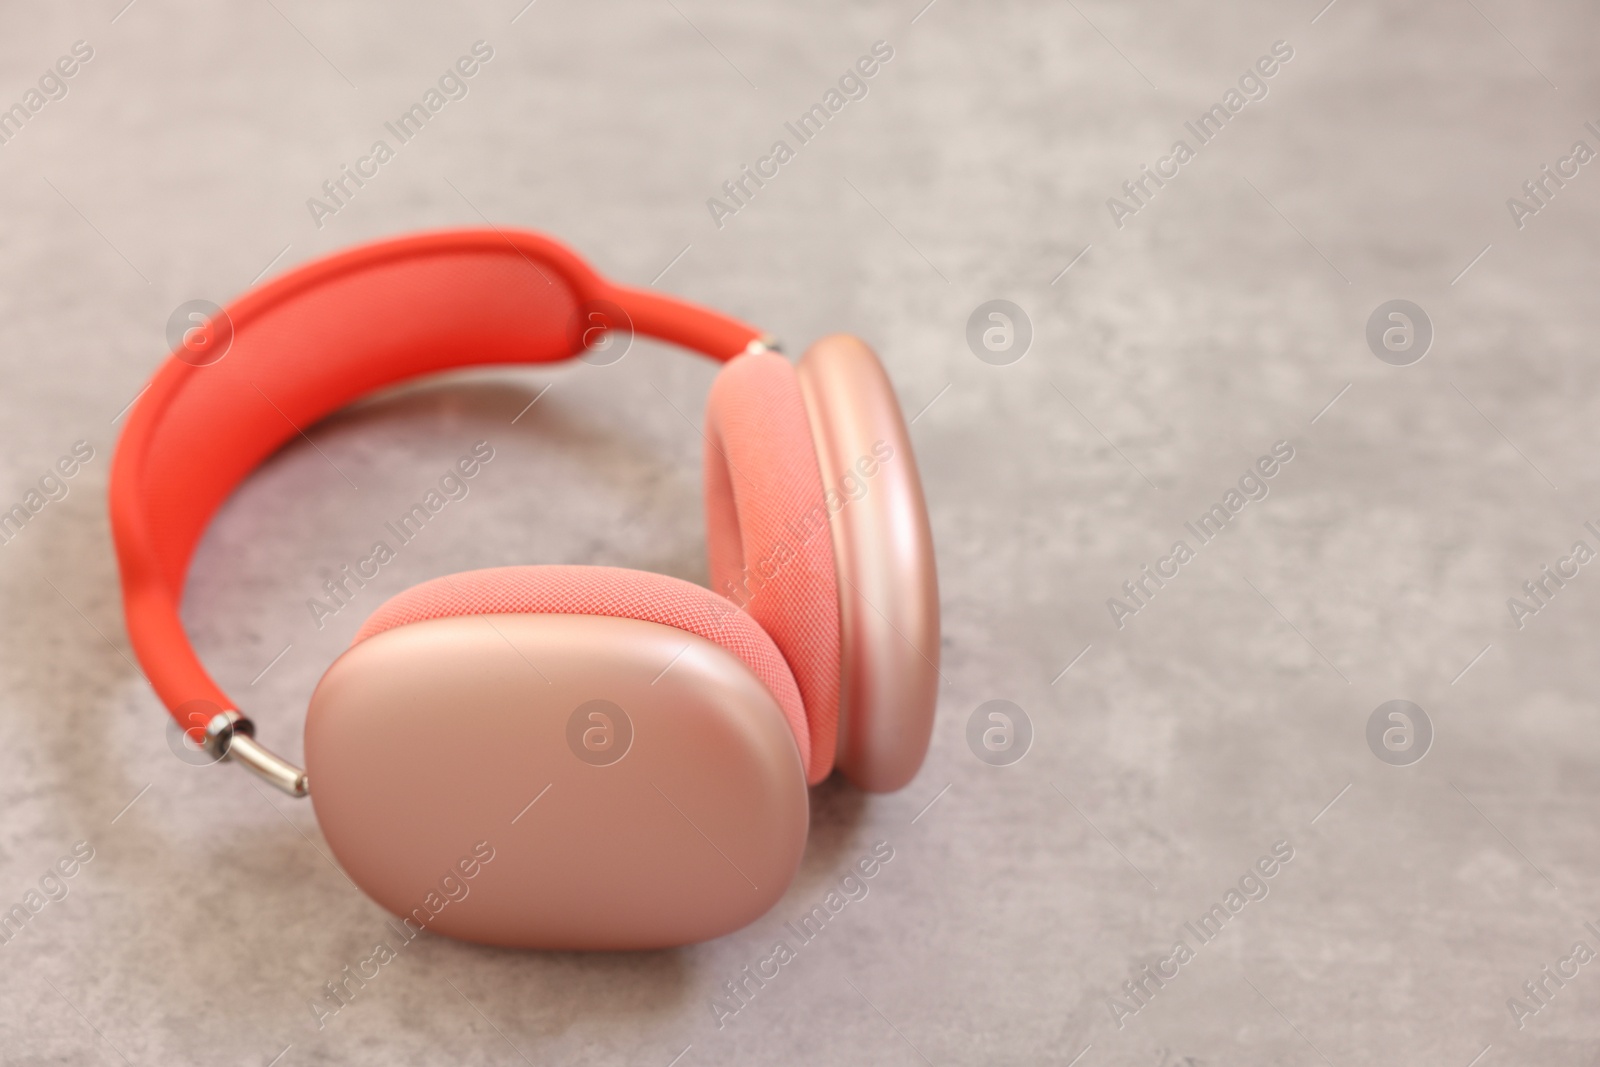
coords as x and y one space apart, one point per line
888 588
557 781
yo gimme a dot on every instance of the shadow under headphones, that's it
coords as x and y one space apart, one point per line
560 757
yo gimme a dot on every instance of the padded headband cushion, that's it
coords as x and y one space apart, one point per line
314 340
293 363
613 591
767 530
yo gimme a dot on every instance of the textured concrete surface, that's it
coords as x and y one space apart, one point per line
1224 315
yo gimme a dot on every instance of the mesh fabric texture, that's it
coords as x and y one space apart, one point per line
618 592
768 533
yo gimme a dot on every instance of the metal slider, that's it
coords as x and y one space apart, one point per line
231 736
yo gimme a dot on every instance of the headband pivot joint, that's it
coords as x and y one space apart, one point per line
231 736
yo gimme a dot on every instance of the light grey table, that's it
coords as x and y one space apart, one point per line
1227 312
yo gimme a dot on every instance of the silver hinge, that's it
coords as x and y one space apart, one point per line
231 736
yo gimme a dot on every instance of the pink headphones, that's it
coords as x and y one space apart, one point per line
561 756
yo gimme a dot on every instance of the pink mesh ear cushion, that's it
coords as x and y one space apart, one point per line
767 530
614 591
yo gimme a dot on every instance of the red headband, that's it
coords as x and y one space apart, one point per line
313 341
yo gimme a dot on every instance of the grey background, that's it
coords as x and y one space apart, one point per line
1220 319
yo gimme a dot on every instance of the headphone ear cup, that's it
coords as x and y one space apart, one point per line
661 721
888 582
768 531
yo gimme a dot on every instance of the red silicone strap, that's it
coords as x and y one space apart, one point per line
311 342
